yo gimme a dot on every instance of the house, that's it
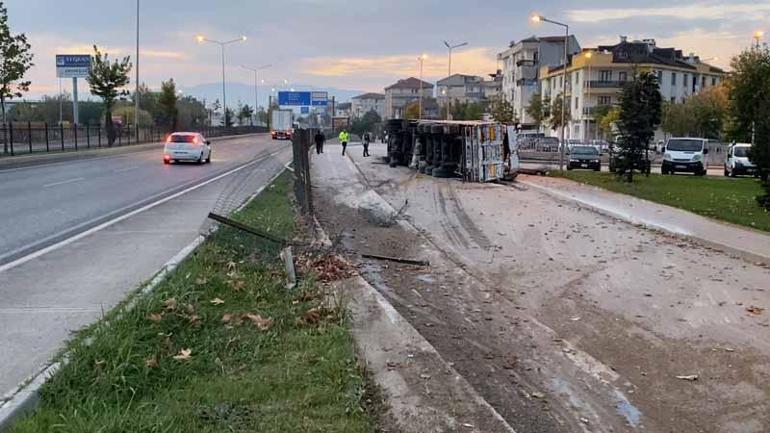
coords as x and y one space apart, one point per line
402 93
343 109
468 88
595 78
521 65
367 102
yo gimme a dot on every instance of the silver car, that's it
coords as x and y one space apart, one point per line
186 146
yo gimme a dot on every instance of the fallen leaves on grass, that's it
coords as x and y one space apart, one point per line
315 315
155 317
217 301
201 281
184 355
151 362
754 310
236 285
170 304
262 323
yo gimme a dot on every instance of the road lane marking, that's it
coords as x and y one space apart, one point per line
123 170
64 182
104 225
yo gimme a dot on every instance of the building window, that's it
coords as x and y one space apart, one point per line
605 75
673 78
577 102
703 82
577 77
684 80
660 77
713 81
605 100
673 99
622 76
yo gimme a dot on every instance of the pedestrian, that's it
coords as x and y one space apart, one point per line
319 142
344 137
367 139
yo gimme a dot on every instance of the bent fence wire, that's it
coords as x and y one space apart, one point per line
24 138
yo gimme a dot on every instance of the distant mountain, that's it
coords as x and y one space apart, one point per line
245 92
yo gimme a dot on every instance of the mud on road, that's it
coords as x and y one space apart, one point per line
562 319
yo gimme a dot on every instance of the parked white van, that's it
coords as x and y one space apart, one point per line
737 161
685 154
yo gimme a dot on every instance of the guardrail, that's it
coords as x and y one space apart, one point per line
24 138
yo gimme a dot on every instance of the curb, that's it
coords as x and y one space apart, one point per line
743 254
26 396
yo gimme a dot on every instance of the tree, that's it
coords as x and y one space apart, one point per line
555 118
167 102
105 79
640 114
412 111
15 61
245 112
749 95
537 109
502 111
148 101
128 111
192 113
366 123
702 115
228 119
606 118
214 109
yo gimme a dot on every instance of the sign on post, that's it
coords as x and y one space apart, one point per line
303 99
73 65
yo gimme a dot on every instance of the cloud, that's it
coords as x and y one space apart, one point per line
694 11
472 61
175 55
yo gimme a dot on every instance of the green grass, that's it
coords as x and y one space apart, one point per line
122 375
731 200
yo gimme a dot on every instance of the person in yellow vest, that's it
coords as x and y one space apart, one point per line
344 137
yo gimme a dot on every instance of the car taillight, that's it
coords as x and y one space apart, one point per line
166 157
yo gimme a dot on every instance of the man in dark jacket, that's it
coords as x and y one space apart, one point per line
366 140
319 139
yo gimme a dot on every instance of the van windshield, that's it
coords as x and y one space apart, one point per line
685 145
741 152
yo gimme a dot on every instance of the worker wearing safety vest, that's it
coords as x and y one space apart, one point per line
344 137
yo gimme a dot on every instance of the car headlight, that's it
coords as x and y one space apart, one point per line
667 157
697 157
595 161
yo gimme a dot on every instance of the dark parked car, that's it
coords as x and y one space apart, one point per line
587 157
616 160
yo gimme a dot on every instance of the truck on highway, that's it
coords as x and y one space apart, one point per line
282 124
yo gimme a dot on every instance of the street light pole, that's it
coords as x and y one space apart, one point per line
588 56
421 59
136 84
222 46
449 72
537 19
256 84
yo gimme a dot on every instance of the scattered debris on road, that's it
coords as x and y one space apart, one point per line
397 259
754 310
691 377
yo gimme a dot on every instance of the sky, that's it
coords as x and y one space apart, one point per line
357 44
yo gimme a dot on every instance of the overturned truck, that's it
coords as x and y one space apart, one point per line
471 150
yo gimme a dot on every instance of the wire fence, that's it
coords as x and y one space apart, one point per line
24 138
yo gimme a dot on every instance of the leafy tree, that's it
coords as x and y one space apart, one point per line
640 114
128 111
148 101
502 111
105 79
15 61
412 111
229 116
192 113
606 118
167 102
365 123
554 119
538 109
702 115
214 109
245 112
749 94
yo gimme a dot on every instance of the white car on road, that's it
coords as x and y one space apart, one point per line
737 162
186 146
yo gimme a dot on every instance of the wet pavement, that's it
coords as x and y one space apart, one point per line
562 318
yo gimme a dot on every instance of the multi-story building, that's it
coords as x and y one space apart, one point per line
521 65
460 88
367 102
343 109
402 93
595 78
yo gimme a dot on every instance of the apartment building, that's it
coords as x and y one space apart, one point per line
367 102
521 67
595 78
402 93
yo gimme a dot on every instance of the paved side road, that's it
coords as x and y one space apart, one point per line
46 298
598 321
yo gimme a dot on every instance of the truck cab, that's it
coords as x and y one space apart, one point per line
685 154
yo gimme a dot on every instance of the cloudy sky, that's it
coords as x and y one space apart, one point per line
357 44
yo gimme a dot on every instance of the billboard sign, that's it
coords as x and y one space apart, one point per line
303 99
73 65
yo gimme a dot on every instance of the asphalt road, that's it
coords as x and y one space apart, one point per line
82 234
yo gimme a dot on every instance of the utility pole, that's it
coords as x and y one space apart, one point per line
136 83
421 59
222 46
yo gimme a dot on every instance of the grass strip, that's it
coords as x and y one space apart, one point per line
219 346
731 200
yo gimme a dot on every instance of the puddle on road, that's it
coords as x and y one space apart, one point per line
628 410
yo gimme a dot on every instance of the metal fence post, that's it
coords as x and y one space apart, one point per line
29 135
99 136
47 144
75 134
61 136
120 136
88 135
5 138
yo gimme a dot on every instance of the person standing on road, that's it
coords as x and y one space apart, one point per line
344 137
319 142
367 139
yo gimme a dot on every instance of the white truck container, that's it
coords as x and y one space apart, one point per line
282 124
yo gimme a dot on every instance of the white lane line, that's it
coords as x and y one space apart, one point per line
125 169
64 182
81 235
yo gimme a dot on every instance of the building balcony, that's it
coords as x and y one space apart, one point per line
525 62
602 84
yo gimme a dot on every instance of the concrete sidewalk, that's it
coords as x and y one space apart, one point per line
749 244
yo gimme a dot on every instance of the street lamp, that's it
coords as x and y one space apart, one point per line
758 36
201 39
452 47
539 18
256 84
421 59
589 55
